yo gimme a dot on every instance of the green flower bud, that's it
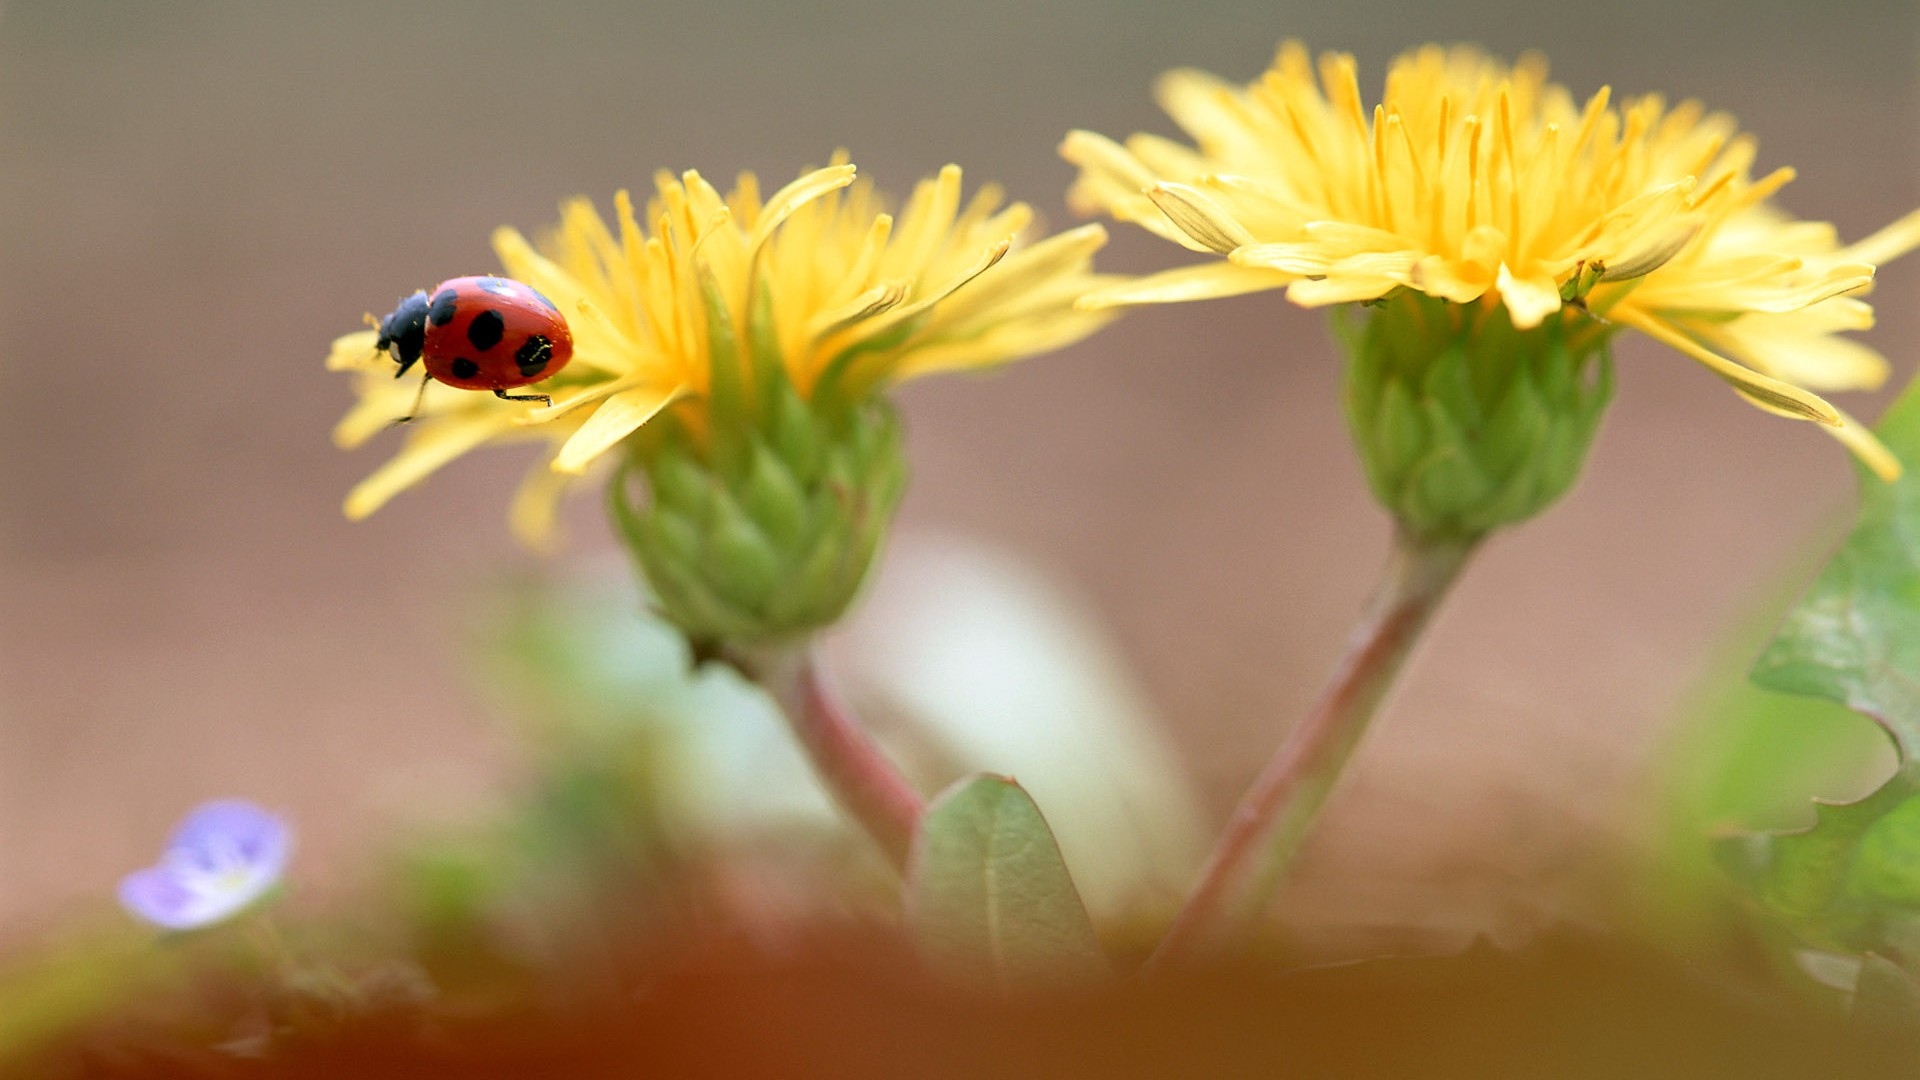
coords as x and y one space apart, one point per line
761 532
1464 422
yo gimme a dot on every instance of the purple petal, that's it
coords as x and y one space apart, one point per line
159 898
218 833
223 857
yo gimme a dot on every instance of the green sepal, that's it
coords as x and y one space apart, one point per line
1464 422
839 381
761 533
726 378
793 433
763 348
774 498
741 563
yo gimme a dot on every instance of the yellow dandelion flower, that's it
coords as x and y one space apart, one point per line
1472 181
839 296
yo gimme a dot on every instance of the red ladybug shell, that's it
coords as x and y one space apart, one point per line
493 333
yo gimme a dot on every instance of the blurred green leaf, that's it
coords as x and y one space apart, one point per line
1745 762
1749 758
1811 873
1855 637
70 982
1886 866
989 897
1853 879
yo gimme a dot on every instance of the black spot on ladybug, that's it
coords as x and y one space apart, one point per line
533 356
464 368
486 329
496 286
441 313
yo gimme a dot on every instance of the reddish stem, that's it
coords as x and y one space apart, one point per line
1274 817
865 783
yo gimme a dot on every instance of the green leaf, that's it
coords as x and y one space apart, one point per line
1855 637
1809 873
1852 880
988 895
1886 867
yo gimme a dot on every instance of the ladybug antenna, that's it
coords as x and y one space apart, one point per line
414 412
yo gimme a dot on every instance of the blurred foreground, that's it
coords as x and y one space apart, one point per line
838 1002
665 891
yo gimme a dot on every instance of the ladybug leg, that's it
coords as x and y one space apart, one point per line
417 398
541 398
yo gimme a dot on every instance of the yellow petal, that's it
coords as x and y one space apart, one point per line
616 418
1626 225
1397 265
1303 260
1837 281
435 444
1203 104
1657 252
878 300
1346 238
1032 271
374 413
1197 215
1113 181
567 401
1818 361
1867 447
923 225
1447 279
1092 151
981 264
1310 292
1165 157
1763 283
535 513
1767 393
1529 299
1005 341
794 196
522 262
1187 283
355 352
1887 244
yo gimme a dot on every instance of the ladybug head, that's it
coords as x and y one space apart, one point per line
404 333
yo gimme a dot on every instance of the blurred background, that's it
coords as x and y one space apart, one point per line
196 197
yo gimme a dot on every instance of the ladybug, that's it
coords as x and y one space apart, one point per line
479 333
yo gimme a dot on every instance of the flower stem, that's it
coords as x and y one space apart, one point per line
1274 817
860 777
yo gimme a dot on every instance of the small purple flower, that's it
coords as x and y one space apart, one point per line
223 857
